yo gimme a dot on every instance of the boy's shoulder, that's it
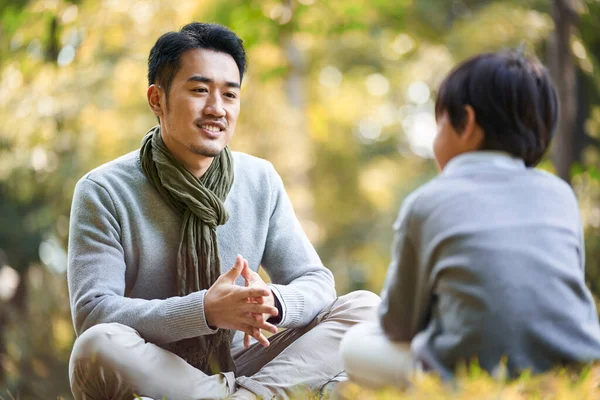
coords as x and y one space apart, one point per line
550 179
440 191
467 182
433 189
556 186
413 202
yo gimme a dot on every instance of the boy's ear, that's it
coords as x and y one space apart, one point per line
472 134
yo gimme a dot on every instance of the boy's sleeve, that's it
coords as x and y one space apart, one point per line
399 311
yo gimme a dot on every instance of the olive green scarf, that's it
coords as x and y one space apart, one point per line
200 202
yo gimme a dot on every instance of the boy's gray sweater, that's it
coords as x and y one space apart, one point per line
488 261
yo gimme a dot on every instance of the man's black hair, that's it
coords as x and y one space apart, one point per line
514 100
164 59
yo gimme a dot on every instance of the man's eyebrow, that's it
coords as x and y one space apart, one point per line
203 79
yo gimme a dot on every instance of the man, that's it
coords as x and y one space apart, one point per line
156 280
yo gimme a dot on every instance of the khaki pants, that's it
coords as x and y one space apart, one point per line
112 361
373 360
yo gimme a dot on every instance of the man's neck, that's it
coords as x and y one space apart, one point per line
198 165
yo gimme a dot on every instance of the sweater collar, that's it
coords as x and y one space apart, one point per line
478 160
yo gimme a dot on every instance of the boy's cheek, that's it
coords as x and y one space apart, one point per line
438 152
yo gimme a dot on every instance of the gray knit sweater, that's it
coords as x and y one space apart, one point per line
488 261
123 246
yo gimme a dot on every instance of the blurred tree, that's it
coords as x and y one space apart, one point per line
585 171
564 72
339 96
18 242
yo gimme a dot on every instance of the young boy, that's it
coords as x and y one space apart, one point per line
488 258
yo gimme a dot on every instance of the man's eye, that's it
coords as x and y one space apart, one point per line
231 95
200 90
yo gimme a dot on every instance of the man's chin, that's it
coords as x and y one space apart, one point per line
205 151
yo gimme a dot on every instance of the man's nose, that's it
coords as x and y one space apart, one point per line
214 106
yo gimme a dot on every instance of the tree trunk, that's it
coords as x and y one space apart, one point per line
3 323
580 138
52 47
563 70
19 310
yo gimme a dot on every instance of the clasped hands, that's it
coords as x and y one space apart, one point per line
246 309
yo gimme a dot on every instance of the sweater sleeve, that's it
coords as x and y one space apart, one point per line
398 311
96 277
300 281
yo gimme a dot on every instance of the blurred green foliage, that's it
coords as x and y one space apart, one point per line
339 96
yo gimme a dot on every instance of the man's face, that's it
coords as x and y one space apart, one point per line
202 105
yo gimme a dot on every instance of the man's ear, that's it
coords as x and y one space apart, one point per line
472 134
155 101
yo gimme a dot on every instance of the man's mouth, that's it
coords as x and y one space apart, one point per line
212 129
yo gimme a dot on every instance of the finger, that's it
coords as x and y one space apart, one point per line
263 320
260 323
256 308
254 277
246 272
262 339
252 291
251 331
255 300
235 271
246 341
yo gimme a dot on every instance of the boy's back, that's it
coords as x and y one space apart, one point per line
488 259
498 267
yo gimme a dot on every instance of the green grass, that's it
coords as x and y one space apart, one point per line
560 384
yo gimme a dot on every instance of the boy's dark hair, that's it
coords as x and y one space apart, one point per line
163 61
514 100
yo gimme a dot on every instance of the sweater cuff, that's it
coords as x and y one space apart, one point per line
186 315
292 304
279 305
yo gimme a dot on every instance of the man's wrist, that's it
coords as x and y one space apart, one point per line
206 312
